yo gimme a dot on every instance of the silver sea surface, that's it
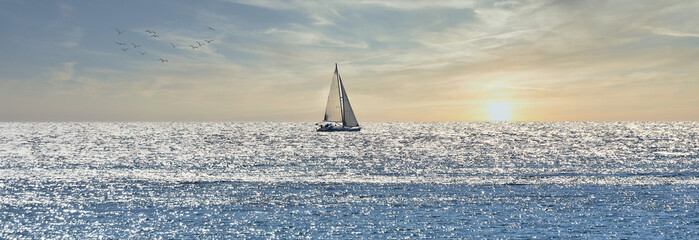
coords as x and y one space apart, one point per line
391 180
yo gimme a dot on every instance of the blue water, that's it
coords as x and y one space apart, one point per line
629 180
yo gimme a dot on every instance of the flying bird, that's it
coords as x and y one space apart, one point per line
208 41
162 60
199 43
120 43
142 53
193 47
173 45
134 45
212 29
124 49
149 31
155 35
118 31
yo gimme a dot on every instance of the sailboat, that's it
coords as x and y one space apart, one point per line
338 112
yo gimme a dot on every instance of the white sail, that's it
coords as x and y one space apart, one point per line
333 110
348 115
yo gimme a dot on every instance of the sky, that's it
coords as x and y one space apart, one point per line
508 60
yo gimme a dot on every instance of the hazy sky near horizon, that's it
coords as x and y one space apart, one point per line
400 60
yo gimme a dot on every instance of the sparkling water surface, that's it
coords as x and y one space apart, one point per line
631 180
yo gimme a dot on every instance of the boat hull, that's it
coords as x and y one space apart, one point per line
336 128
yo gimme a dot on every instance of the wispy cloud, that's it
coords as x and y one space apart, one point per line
512 87
672 33
65 10
63 73
404 5
72 38
310 37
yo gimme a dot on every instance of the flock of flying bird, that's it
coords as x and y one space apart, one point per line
153 34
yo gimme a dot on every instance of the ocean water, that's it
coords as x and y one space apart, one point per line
621 180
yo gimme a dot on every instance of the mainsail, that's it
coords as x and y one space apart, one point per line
333 110
338 108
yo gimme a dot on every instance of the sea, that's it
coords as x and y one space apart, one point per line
391 180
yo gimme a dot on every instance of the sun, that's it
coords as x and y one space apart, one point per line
499 111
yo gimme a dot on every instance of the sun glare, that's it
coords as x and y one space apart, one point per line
499 111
